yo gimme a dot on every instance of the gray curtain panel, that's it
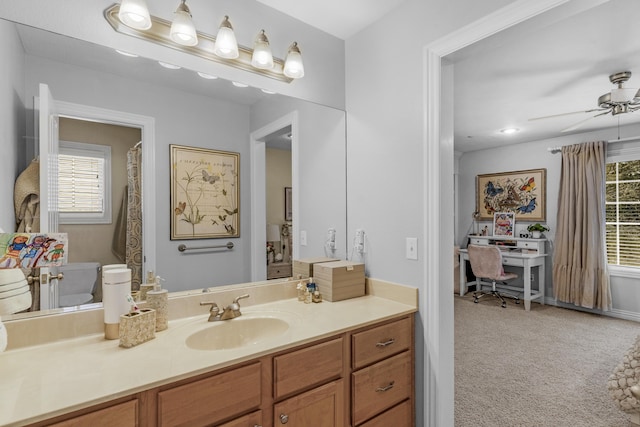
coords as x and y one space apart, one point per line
580 274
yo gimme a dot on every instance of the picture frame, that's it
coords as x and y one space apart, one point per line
205 193
288 204
504 224
521 192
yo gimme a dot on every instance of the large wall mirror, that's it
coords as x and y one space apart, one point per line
188 109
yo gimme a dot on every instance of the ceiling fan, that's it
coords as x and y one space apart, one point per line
620 100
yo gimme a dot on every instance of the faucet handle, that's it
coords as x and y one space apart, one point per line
214 306
235 301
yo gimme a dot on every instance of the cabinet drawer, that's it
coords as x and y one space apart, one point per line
380 342
253 419
212 399
307 367
124 414
398 416
518 262
476 241
277 271
381 386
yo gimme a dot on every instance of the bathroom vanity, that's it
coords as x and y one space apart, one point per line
347 363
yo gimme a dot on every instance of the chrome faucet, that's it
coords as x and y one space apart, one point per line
230 312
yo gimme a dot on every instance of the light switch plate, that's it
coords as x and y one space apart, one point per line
303 238
412 248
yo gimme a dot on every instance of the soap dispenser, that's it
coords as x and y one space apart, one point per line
158 299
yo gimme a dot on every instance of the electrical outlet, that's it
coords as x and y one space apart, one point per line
303 238
359 243
412 248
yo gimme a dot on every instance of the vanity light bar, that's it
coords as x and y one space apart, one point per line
159 33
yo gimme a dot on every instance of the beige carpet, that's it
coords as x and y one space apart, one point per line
546 367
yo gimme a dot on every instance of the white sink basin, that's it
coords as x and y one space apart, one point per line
239 332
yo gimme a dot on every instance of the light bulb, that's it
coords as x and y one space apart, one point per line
262 57
135 14
182 29
226 45
293 66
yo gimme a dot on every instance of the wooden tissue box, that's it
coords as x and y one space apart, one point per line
304 267
339 280
136 328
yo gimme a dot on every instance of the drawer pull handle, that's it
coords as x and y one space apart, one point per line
385 388
284 418
386 343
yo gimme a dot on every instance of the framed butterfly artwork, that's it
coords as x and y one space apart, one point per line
205 193
522 192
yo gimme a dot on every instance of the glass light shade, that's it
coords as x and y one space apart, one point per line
262 57
226 45
135 14
182 30
293 66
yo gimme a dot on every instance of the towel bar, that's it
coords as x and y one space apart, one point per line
183 247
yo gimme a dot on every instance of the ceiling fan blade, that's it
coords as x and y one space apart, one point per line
566 114
581 122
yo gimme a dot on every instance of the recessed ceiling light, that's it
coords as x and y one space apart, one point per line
238 84
270 92
122 52
509 131
169 66
207 76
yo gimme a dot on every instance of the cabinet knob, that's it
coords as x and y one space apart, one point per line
284 418
386 343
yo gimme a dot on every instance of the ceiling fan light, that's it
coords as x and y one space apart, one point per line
182 29
623 95
262 57
135 14
226 45
293 66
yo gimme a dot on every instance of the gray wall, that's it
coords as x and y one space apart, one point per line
12 120
534 155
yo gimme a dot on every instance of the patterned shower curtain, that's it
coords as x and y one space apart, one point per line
134 216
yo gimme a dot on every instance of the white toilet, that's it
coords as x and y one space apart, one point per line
78 284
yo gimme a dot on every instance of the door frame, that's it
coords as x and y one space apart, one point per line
258 191
147 127
436 302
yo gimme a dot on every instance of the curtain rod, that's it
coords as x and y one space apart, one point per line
554 150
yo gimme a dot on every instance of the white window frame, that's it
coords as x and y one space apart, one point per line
90 150
616 155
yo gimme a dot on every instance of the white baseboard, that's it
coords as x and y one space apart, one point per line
615 312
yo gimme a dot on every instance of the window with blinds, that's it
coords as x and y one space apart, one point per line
623 213
84 183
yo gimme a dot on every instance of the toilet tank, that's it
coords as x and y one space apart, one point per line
79 283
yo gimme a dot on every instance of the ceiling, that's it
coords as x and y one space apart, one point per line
337 17
559 65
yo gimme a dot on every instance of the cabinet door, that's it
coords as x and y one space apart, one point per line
320 407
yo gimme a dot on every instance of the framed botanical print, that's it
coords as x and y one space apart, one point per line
521 192
205 193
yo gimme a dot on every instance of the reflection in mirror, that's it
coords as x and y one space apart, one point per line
185 109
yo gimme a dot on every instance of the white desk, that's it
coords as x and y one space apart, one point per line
517 259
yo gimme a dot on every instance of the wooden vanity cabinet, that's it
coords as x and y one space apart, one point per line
382 381
359 378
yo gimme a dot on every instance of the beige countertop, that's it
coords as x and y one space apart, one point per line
41 381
